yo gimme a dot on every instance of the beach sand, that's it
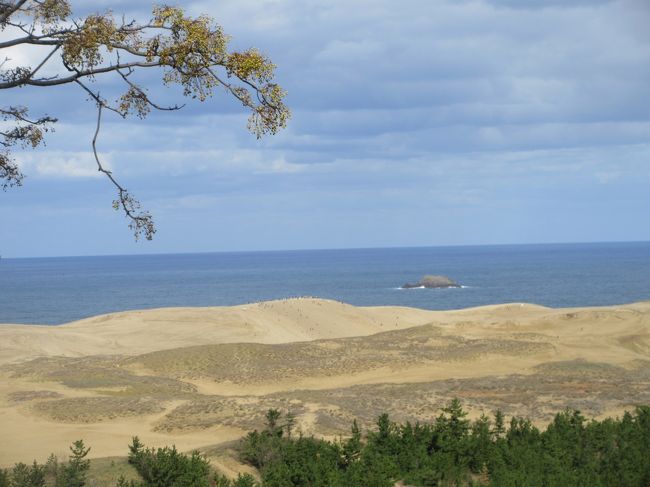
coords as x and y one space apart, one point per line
202 377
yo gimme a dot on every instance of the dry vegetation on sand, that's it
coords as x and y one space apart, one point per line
201 377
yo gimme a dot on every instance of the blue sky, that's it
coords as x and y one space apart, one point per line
414 123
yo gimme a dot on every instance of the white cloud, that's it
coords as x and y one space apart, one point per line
281 166
55 164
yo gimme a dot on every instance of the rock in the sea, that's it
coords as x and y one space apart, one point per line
432 282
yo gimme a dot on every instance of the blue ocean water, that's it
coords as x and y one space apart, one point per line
59 290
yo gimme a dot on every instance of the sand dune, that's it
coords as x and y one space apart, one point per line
135 332
202 376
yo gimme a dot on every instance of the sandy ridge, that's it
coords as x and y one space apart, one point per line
135 332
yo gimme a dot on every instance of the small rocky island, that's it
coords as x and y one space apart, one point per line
432 282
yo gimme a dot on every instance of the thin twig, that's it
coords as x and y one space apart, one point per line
145 96
141 223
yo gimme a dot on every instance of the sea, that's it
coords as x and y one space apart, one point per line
57 290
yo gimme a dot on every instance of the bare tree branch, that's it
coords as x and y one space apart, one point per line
144 96
43 62
141 221
74 77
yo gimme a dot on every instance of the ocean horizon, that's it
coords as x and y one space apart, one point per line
55 290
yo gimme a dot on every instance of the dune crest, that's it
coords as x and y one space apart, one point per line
135 332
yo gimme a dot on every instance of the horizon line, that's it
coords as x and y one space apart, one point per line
252 251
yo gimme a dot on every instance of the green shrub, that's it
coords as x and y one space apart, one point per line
166 467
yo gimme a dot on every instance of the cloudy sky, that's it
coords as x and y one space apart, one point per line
414 123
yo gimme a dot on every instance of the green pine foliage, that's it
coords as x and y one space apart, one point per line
23 475
449 451
167 467
52 473
453 451
73 474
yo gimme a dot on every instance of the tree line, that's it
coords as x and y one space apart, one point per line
448 451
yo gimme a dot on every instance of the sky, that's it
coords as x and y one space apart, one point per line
414 123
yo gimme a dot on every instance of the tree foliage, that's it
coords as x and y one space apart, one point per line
167 467
189 52
73 474
449 451
453 451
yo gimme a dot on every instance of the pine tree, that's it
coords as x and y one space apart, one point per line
352 447
499 425
74 473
